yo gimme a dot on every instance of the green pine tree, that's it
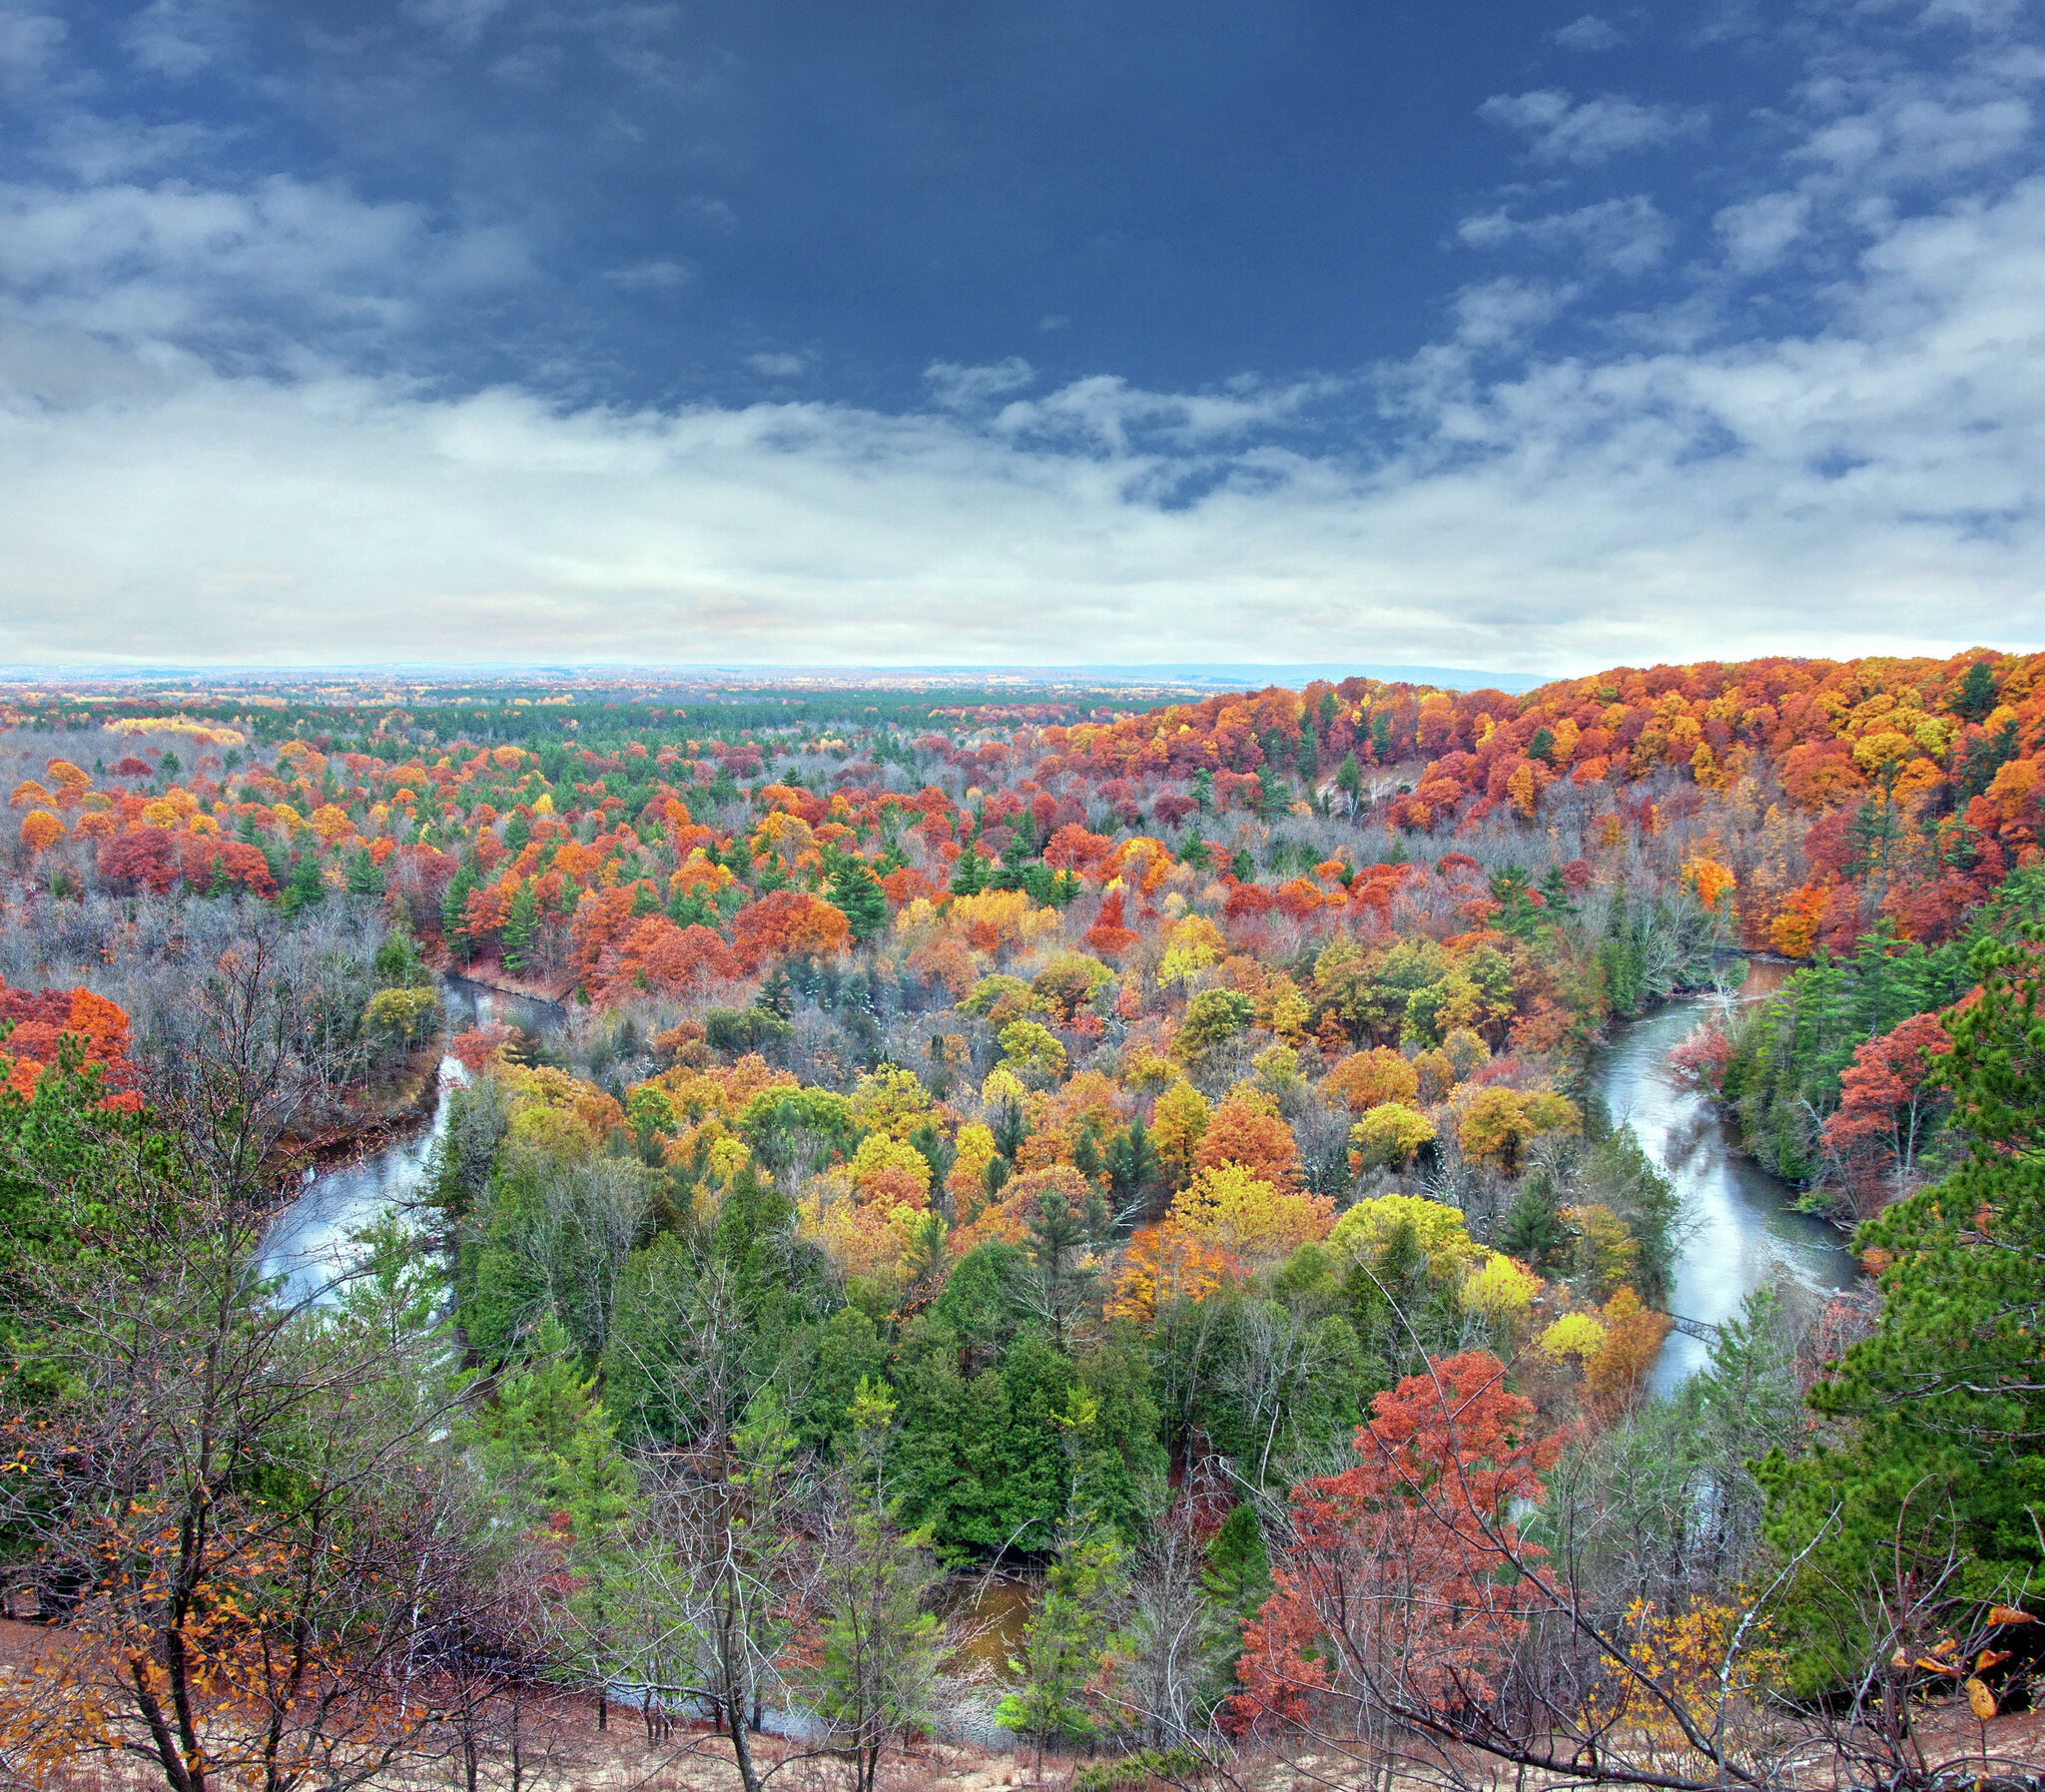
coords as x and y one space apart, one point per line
522 926
1944 1452
304 888
856 894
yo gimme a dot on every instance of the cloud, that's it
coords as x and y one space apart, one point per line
1623 236
174 37
29 42
213 452
463 21
957 387
651 276
1757 232
1559 129
275 269
1589 33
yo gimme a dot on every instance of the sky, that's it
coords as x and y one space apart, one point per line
1490 333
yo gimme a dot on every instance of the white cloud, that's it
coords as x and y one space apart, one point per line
1689 489
775 366
29 42
1502 314
1757 232
463 21
175 38
1585 134
959 388
651 276
175 262
1589 33
1623 236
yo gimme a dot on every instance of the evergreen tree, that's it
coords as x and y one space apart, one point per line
1061 1647
1238 1572
1978 694
364 876
522 926
1058 1238
1349 780
304 888
857 893
969 876
455 907
1946 1446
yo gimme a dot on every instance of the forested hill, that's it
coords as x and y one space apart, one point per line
1153 1149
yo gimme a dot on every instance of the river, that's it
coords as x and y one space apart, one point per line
311 1242
1742 1229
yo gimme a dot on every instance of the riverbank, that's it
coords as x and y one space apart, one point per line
1742 1229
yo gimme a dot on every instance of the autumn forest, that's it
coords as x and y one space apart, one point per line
582 1230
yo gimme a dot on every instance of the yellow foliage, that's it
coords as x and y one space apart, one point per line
1250 1219
1502 1291
886 1166
891 1100
1437 1230
1574 1335
1388 1136
1177 1124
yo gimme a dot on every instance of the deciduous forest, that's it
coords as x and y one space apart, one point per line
1146 1155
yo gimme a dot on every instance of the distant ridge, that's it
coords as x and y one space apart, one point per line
1191 674
1227 677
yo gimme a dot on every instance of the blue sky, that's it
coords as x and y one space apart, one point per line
1501 334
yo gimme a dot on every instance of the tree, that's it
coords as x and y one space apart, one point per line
1388 1137
521 927
1393 1589
1061 1647
1926 1504
1889 1101
880 1648
1978 694
856 894
1178 1123
210 1509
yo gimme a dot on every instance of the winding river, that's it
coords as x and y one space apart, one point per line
1742 1229
311 1243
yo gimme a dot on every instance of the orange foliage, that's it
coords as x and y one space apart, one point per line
1247 1130
786 924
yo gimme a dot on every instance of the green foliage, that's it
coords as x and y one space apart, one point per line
1943 1398
857 893
1781 1077
1063 1644
1213 1017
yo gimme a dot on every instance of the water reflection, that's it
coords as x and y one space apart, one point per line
1742 1230
311 1241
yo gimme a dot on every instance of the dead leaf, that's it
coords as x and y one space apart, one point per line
1980 1699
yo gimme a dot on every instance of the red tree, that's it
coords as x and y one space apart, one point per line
1399 1585
144 857
1887 1101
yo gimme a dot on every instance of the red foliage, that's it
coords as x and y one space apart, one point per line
1885 1102
1404 1567
657 955
142 858
1111 935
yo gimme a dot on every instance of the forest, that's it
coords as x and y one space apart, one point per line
1146 1152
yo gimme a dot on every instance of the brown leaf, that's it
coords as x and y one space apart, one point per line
1980 1699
